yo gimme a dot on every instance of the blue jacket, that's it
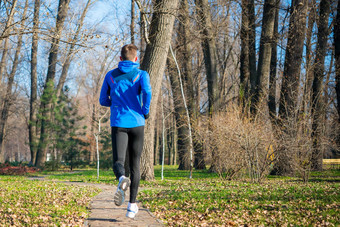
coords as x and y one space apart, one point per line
127 91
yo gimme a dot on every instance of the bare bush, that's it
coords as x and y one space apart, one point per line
239 144
296 146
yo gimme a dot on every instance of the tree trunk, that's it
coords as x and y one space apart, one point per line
8 25
32 128
305 108
7 29
46 99
8 100
293 60
273 67
263 69
132 25
318 102
210 52
154 63
184 31
244 56
337 61
252 54
182 127
71 51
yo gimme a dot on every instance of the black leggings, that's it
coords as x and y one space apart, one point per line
131 140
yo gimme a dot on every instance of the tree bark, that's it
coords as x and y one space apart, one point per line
46 100
244 56
263 69
182 127
132 24
210 52
293 59
32 127
6 31
305 108
154 63
186 50
318 102
8 100
337 61
252 55
273 66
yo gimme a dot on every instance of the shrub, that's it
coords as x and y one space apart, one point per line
236 143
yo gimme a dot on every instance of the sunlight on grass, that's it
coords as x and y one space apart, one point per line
27 202
207 200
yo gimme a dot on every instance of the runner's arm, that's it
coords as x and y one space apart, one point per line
147 92
104 98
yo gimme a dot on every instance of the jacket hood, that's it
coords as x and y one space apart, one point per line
127 66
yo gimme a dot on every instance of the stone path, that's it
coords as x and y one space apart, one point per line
105 213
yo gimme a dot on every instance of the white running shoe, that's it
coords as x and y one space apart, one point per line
132 210
123 185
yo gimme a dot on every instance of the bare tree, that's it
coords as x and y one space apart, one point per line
46 100
244 56
210 52
71 50
8 100
180 115
252 54
293 59
337 63
154 63
318 102
273 66
263 69
132 24
32 128
7 29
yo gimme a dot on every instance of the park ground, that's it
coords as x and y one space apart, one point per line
204 200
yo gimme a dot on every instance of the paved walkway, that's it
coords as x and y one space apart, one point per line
105 213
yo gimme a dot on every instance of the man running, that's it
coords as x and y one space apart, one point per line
127 91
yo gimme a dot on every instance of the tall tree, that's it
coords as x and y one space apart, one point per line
244 55
46 100
32 128
293 59
209 50
318 102
263 69
337 63
154 61
132 24
252 54
8 99
186 50
71 50
273 66
309 72
337 58
5 32
180 115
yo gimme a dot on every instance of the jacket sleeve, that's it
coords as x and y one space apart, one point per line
146 92
104 98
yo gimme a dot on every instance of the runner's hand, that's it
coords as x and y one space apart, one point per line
146 116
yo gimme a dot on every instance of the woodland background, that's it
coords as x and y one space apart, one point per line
238 86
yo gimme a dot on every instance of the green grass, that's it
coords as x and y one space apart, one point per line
25 202
208 200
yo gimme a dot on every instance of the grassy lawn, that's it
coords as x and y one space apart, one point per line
25 202
206 200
